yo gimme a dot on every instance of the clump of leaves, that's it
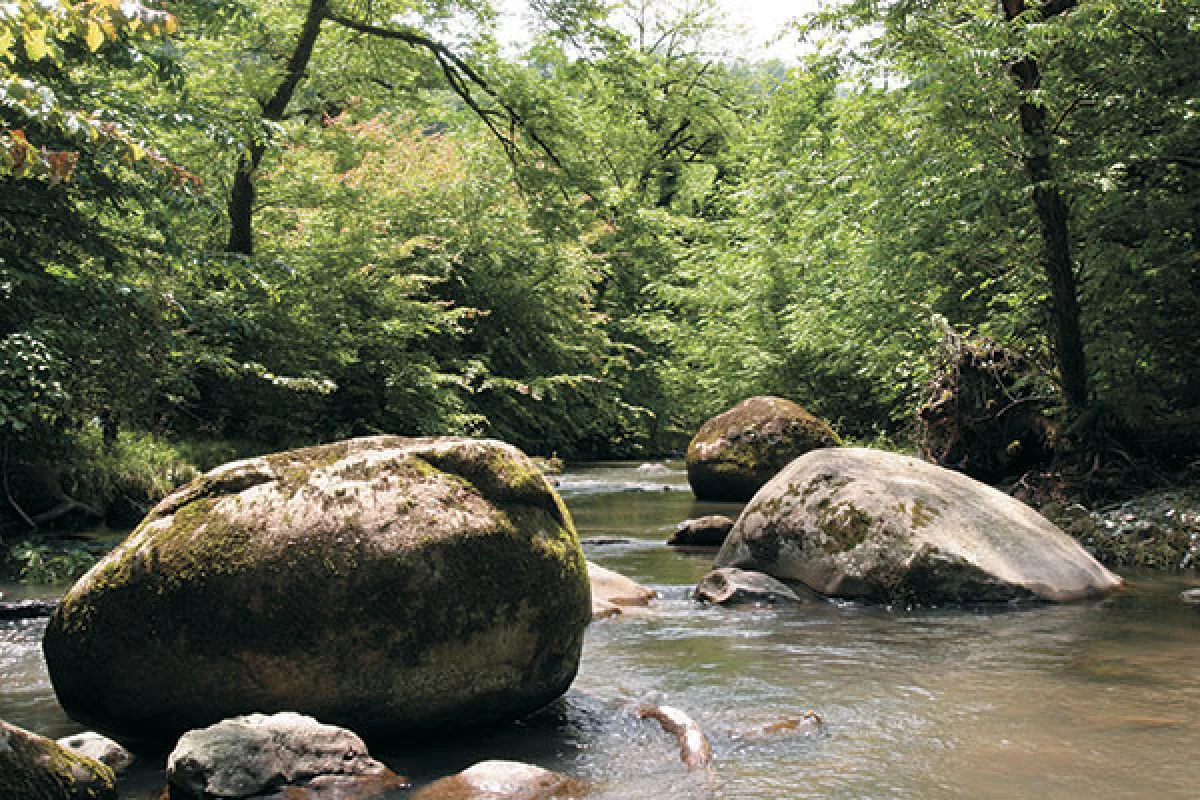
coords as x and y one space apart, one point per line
46 563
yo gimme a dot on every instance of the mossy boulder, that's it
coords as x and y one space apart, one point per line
881 527
734 454
387 585
33 767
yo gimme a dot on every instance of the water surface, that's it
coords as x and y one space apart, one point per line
1097 700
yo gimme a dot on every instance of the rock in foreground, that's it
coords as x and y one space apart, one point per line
735 453
387 585
881 527
33 767
99 748
248 756
503 780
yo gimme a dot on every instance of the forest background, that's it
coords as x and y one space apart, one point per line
232 227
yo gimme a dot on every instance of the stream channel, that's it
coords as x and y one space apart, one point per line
1082 701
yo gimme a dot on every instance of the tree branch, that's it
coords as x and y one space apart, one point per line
462 77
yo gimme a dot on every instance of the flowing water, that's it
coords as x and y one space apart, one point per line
1097 700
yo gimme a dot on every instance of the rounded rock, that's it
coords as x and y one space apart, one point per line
388 585
881 527
709 531
735 453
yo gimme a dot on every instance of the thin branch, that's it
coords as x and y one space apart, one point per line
461 77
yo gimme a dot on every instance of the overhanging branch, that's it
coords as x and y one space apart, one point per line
465 81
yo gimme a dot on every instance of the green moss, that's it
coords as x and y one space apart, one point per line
35 768
923 513
845 525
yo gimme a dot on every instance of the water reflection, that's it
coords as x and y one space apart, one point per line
1047 702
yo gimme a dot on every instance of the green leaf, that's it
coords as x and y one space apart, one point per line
35 43
95 36
7 40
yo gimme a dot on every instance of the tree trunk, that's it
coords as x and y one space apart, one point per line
242 195
1053 217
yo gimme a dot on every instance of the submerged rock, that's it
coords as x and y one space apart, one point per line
33 767
503 780
734 587
866 524
388 585
735 453
707 531
251 755
99 748
612 592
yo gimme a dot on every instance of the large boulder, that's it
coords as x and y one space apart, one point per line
33 767
251 755
735 453
387 585
881 527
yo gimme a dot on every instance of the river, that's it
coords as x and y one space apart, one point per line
1099 700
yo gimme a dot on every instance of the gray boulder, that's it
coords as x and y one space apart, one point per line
882 527
735 453
33 767
388 585
255 754
707 531
734 587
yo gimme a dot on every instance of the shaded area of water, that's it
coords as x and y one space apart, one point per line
1051 702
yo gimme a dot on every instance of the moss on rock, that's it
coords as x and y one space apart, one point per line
389 585
735 453
33 767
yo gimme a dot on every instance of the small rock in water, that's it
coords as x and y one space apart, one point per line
1191 597
654 468
707 531
100 748
732 586
503 780
612 592
248 756
694 749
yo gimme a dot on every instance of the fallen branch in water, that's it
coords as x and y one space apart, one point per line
694 749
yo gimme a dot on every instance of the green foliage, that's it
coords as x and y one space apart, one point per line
46 563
